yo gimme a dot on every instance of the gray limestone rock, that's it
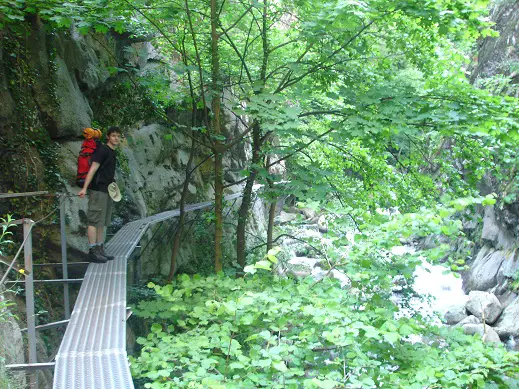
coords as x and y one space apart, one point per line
455 314
73 112
343 278
484 306
496 234
11 348
508 323
490 228
486 332
309 213
285 217
322 223
468 320
304 261
509 267
483 272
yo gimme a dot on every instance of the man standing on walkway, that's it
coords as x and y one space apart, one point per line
100 175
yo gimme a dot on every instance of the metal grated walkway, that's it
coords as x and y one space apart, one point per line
92 354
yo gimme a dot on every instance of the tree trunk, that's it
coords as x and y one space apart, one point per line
243 213
218 211
272 210
270 228
217 147
182 215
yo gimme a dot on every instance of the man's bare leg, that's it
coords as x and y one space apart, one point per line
100 235
92 235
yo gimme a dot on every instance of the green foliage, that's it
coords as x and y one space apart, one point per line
514 285
93 15
123 103
262 331
28 153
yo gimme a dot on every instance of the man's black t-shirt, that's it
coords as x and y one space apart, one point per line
105 175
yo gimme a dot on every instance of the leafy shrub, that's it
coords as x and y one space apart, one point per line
265 332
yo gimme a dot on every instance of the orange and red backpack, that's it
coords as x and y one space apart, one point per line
88 147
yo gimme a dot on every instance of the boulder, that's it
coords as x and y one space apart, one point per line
490 227
300 266
508 323
468 320
484 306
73 112
304 261
455 314
322 223
309 213
508 268
495 231
486 332
483 272
343 278
284 217
507 298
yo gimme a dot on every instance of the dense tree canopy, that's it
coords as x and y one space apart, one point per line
367 106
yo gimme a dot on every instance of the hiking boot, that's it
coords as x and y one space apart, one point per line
104 254
95 256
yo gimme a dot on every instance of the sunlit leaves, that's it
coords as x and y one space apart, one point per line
280 333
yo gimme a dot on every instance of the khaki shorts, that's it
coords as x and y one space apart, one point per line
99 208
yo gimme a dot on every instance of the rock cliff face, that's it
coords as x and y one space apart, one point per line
500 56
55 84
52 85
496 263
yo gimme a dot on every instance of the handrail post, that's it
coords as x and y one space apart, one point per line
29 298
62 222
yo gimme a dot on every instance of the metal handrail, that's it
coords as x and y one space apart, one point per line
100 314
29 281
28 221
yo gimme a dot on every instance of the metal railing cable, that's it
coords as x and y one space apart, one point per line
93 352
4 278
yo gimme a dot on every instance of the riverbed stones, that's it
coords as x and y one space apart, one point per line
484 306
342 277
484 270
468 320
455 314
508 323
487 333
284 218
304 261
322 224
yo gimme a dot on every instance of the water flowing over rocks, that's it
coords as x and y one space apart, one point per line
475 312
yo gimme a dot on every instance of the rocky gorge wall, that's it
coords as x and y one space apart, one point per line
55 84
52 85
495 263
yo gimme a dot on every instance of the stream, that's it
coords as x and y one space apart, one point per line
442 286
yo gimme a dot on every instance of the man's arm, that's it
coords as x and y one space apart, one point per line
88 179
